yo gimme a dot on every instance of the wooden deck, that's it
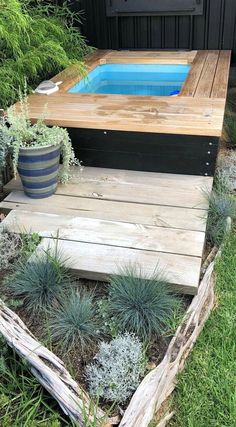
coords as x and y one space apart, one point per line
199 110
107 218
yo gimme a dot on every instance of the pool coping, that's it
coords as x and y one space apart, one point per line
198 110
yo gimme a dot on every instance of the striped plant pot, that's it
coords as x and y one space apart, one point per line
38 169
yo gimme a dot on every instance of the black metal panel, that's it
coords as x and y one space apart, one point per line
215 29
151 152
154 7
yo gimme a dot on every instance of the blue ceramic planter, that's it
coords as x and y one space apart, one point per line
38 169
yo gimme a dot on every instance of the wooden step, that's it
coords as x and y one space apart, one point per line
137 236
98 262
106 218
159 215
162 189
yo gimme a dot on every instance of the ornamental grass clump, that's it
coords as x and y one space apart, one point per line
221 206
117 369
73 323
40 281
142 305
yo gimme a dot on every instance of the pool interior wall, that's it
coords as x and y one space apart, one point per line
134 79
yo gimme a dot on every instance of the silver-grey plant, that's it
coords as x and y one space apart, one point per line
10 247
117 369
17 131
227 168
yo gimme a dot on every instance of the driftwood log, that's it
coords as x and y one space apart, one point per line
48 369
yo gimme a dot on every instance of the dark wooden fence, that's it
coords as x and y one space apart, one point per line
215 29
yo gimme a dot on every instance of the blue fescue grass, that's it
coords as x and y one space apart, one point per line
73 323
141 305
40 281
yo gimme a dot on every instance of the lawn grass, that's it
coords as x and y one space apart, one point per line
23 401
206 392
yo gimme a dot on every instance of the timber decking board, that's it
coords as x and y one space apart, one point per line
178 115
220 85
205 84
169 191
161 216
98 231
199 110
97 262
191 83
147 218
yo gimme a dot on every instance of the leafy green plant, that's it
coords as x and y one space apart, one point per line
40 281
141 305
30 243
74 323
16 131
118 368
38 39
109 325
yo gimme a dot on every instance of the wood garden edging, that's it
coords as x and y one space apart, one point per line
155 388
47 368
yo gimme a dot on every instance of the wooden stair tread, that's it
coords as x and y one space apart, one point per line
97 262
159 215
121 234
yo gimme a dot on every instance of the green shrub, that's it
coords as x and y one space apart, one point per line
40 281
118 368
74 323
30 243
230 127
109 325
37 40
143 306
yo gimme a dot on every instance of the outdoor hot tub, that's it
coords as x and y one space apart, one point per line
123 113
134 79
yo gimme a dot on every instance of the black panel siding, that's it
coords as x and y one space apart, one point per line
150 152
216 29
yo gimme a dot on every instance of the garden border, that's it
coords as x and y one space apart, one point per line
155 388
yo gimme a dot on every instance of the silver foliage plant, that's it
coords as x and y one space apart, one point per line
10 247
16 131
227 168
117 369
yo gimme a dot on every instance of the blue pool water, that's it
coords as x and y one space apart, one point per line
133 79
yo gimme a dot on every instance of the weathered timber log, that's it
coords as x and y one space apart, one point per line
159 383
48 369
165 420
